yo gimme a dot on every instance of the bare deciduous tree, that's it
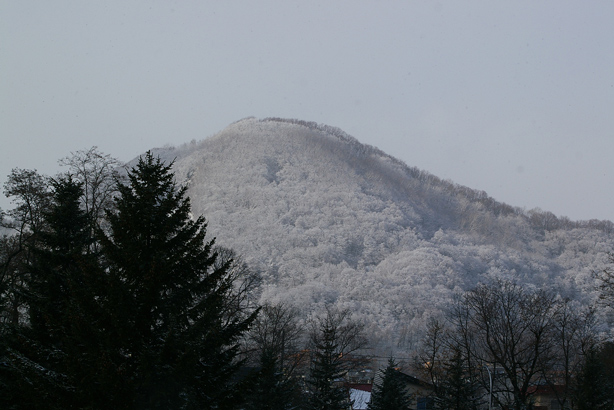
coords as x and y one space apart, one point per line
606 276
30 192
574 337
276 330
98 174
509 329
433 353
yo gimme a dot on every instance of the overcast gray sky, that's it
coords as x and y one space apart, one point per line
515 98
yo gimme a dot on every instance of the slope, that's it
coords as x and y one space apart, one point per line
328 220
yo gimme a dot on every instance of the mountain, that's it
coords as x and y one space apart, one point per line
328 220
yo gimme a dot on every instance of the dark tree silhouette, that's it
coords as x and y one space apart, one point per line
334 338
391 392
175 336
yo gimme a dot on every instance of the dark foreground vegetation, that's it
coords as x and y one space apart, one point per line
516 348
112 296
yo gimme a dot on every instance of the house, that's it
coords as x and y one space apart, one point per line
360 394
420 391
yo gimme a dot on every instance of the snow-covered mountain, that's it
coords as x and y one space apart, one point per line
328 220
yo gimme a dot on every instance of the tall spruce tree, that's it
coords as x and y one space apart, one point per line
391 392
174 337
458 389
334 338
326 390
595 381
272 389
48 359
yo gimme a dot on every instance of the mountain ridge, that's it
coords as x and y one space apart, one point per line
422 175
328 220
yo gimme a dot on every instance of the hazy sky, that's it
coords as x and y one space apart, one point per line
515 98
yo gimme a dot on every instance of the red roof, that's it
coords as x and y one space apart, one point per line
358 386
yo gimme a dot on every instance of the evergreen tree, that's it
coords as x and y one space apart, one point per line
152 322
333 339
272 389
458 389
174 336
326 379
48 358
595 383
391 392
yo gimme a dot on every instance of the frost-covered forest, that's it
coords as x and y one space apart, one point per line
327 220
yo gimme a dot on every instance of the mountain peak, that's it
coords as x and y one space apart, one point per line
328 220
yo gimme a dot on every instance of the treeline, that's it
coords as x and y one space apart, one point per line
501 344
111 296
114 306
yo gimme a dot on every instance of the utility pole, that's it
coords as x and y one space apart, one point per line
490 394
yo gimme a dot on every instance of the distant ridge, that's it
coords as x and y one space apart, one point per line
328 220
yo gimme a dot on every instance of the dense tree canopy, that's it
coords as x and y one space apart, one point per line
595 380
606 276
513 337
149 322
331 221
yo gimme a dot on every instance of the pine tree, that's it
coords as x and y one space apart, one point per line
391 393
326 389
333 339
174 336
457 390
272 389
48 361
595 383
152 322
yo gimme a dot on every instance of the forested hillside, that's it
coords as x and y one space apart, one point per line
327 220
